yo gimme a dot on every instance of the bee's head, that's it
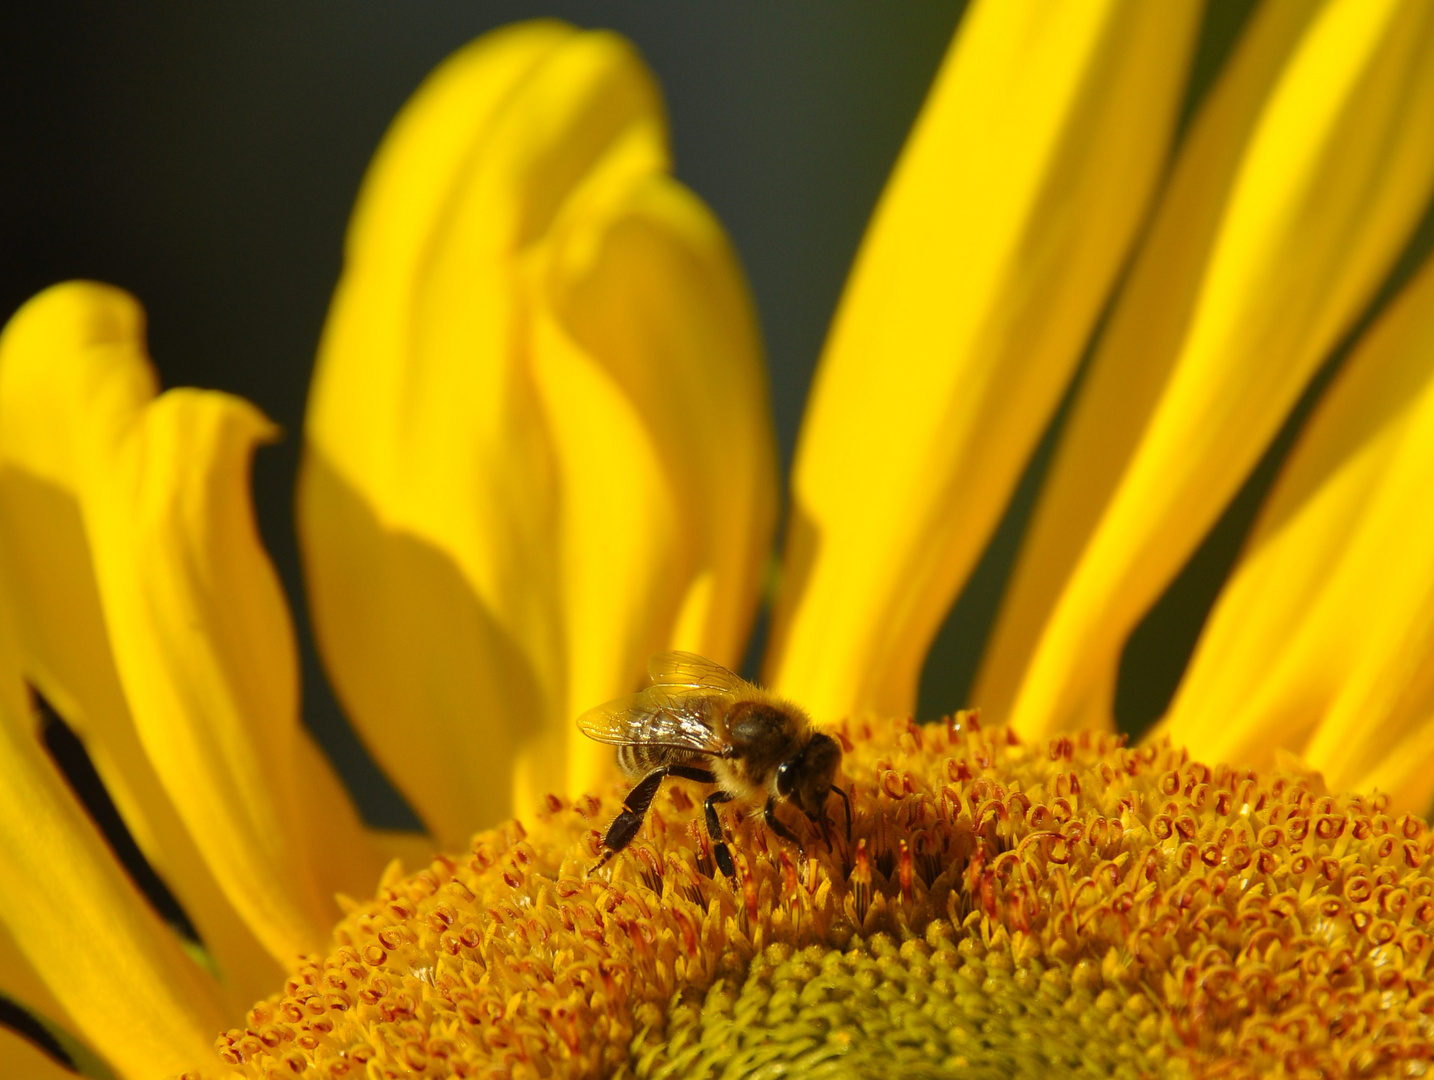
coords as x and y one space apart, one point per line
806 779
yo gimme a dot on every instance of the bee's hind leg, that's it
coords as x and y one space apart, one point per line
634 809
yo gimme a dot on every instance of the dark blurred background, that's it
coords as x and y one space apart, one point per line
205 157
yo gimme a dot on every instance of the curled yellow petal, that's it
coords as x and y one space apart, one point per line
646 360
1336 171
193 615
976 287
1138 347
63 642
205 649
538 411
1323 640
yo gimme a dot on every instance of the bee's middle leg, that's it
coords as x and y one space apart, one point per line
720 851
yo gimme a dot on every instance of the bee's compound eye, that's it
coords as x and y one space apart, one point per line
786 774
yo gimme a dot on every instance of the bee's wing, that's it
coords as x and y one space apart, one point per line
656 717
685 672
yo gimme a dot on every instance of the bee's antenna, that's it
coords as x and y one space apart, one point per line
847 801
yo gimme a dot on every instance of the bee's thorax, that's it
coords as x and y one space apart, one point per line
762 735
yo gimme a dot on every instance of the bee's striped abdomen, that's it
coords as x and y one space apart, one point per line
639 759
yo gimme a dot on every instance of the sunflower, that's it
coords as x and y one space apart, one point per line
537 451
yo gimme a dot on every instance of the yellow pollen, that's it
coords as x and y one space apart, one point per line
1005 910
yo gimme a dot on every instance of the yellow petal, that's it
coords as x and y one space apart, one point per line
647 363
985 266
21 983
193 613
1137 348
1337 169
20 1057
537 348
410 849
337 847
426 497
204 647
1323 640
64 645
119 973
1404 770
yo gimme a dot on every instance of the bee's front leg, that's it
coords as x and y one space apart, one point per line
769 814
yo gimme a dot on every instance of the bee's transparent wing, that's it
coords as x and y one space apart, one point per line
685 672
656 717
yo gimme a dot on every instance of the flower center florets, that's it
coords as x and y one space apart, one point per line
1003 910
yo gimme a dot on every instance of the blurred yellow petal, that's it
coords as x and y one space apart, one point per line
194 616
628 568
427 494
119 972
538 356
1323 640
410 849
1137 348
64 645
21 1058
1404 769
990 255
205 651
647 361
338 849
1337 170
20 982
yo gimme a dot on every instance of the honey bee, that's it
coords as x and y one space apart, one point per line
698 721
